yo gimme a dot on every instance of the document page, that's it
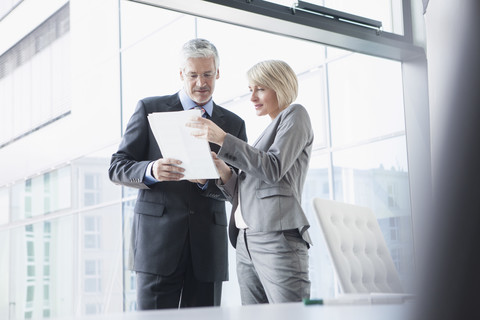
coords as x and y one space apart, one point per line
176 142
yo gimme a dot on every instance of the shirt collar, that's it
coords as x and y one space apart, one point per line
188 103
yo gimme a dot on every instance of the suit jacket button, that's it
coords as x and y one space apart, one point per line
191 212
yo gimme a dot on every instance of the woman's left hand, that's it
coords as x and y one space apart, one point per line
208 130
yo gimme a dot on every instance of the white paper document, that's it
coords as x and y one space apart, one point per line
175 141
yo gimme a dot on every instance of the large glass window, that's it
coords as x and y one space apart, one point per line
72 252
5 275
42 194
355 103
65 230
4 205
366 99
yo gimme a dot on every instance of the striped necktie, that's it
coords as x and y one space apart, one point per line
204 114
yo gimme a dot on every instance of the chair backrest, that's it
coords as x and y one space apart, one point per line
358 250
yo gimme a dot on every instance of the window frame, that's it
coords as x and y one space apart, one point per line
279 19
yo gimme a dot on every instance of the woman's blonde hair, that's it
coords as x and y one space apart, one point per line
278 76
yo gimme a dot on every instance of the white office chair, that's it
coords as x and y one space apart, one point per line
358 250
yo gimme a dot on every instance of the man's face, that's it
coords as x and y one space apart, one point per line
199 76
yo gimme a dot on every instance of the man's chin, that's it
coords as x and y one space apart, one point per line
201 99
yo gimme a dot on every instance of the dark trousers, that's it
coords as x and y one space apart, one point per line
178 290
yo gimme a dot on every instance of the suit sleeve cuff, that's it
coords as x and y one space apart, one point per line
203 186
148 178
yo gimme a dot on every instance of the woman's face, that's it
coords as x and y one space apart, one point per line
264 100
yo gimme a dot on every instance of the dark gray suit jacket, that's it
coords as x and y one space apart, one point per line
169 213
273 172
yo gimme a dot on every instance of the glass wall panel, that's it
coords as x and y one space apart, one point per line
375 176
150 57
100 260
352 100
91 182
68 264
383 189
4 205
43 268
312 94
366 98
42 194
5 274
129 279
317 185
71 262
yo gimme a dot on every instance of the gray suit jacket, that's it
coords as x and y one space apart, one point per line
167 214
273 172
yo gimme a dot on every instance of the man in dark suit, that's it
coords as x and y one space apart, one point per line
179 237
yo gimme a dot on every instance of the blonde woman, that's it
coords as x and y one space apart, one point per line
268 227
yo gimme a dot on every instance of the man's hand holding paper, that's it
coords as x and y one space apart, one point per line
166 169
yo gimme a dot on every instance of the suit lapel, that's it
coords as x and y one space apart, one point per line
218 116
170 103
259 138
174 104
219 119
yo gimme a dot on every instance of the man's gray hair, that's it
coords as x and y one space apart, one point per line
199 48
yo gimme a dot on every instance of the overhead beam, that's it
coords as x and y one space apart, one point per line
278 19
